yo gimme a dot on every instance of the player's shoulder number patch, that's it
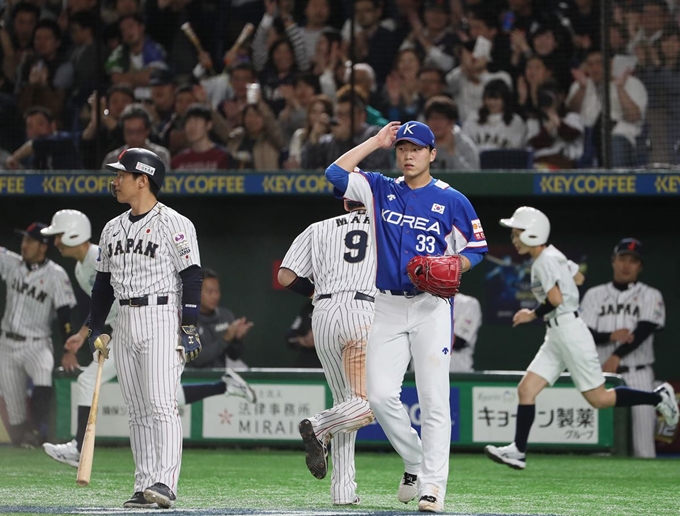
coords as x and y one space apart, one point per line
477 229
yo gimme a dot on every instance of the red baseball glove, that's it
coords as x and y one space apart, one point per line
438 275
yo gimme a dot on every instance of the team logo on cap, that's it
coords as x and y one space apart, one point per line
408 127
143 167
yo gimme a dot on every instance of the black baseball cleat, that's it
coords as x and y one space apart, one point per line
139 502
161 494
316 453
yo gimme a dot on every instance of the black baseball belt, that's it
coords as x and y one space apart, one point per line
19 338
358 296
143 301
626 369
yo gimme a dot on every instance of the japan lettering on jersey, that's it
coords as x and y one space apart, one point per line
33 294
606 309
433 220
145 256
337 254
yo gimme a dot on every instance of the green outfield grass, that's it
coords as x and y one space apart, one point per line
225 481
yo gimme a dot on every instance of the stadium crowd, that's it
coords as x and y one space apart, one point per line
519 76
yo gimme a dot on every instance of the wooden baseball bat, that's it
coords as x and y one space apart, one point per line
87 452
191 35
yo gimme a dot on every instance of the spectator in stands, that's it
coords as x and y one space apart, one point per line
547 43
434 42
455 149
297 97
235 100
163 21
46 148
483 21
278 62
431 83
583 18
110 133
256 145
45 78
628 97
660 72
496 125
17 42
136 124
654 16
364 81
12 126
300 338
327 59
317 13
401 87
221 332
343 137
535 74
83 62
317 124
555 135
373 43
202 153
131 62
466 82
162 105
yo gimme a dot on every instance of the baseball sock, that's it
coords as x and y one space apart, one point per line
525 418
627 397
83 415
40 410
197 391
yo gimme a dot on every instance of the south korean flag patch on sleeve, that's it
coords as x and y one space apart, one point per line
477 230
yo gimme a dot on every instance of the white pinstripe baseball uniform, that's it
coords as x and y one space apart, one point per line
34 293
145 255
339 256
467 319
605 309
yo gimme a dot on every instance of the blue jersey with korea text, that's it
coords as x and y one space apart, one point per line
432 220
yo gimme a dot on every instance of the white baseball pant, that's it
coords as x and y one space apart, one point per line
420 328
340 326
20 361
149 370
643 416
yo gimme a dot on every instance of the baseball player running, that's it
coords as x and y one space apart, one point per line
149 263
37 290
623 316
72 232
568 343
338 255
414 215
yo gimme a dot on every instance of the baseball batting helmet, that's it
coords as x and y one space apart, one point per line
140 161
535 224
74 225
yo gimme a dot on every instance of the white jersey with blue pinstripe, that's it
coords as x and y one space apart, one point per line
34 293
337 254
606 309
86 272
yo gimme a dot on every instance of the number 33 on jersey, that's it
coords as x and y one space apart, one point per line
433 220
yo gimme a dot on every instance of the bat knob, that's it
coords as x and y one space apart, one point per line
100 345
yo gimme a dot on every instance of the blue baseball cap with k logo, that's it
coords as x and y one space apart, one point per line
415 132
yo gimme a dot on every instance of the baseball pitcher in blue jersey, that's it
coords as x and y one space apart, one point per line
414 214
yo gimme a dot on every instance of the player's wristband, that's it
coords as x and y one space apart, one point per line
189 315
302 286
545 308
